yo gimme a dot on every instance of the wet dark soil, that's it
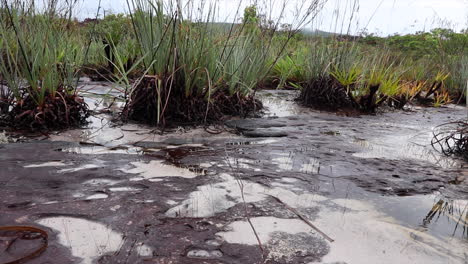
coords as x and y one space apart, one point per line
188 196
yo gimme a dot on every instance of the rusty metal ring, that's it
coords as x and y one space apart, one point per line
37 252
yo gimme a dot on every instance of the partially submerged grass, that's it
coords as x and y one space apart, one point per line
452 211
39 67
196 70
178 65
341 71
346 74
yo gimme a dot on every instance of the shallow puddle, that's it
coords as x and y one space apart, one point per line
370 236
157 169
415 146
242 233
303 165
218 197
100 130
214 198
383 235
236 163
98 150
47 164
101 182
82 167
280 103
362 234
435 214
97 196
283 238
87 240
258 142
125 189
185 146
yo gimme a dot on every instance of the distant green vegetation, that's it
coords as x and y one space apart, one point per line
440 50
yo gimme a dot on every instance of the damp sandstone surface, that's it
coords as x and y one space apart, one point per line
121 193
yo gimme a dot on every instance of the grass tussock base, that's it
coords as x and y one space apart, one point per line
155 102
58 111
326 94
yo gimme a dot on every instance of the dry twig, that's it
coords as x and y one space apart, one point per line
303 218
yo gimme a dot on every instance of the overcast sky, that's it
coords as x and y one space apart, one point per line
383 17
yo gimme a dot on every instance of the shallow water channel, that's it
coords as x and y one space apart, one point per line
294 186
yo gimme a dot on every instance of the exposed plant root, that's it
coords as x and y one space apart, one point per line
452 139
153 101
58 111
326 93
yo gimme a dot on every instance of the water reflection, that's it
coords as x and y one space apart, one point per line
400 147
455 211
86 239
293 162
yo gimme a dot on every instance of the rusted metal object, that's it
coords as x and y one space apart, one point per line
25 233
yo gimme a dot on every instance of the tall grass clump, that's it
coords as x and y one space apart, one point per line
361 73
332 74
345 75
341 71
113 33
39 65
197 70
